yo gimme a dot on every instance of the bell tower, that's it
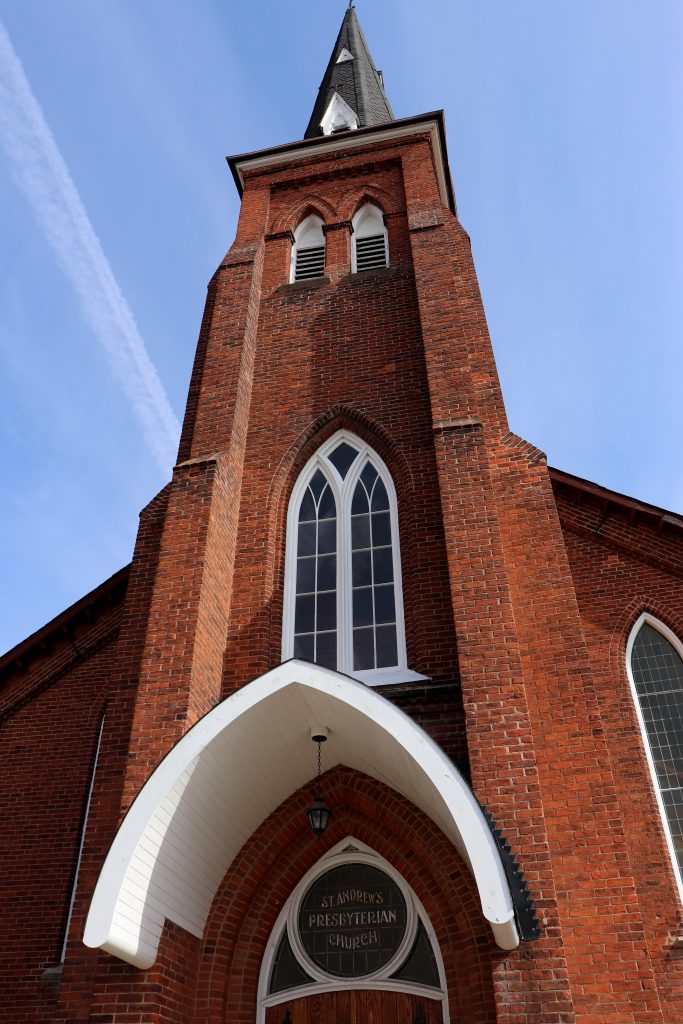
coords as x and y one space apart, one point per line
354 541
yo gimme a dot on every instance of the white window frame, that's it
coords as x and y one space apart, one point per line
678 647
342 490
349 850
311 223
367 211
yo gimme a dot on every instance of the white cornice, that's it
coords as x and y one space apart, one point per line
353 140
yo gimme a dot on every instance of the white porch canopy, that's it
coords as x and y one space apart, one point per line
236 766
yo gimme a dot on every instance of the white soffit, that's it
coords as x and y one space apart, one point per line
236 766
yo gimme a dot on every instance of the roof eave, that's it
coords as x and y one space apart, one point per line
606 495
111 590
347 140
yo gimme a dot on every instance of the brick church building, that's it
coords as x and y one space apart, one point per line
383 722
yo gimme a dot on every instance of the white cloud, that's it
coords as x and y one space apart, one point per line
40 171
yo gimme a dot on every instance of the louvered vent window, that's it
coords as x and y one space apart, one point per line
310 263
308 251
371 252
370 244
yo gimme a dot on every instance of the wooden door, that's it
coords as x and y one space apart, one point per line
351 1007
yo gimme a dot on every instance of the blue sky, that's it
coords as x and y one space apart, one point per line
566 147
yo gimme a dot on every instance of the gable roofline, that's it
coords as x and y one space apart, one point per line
18 658
569 482
433 122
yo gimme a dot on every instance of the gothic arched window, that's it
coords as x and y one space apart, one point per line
308 251
655 664
343 599
369 241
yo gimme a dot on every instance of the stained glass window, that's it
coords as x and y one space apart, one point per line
658 677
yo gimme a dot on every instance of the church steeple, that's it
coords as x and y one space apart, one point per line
351 94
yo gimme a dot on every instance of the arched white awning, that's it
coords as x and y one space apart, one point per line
235 767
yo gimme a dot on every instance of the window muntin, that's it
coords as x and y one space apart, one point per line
372 574
370 244
315 613
347 476
308 251
655 664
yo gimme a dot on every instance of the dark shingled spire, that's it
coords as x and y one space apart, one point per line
357 81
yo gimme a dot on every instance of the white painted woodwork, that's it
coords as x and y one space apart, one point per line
308 236
235 767
367 223
338 116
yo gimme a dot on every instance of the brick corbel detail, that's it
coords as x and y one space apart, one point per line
339 225
277 236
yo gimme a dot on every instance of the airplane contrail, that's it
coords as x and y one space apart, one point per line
41 173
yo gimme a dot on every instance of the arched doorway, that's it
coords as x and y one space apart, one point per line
352 944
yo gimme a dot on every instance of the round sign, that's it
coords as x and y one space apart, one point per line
352 920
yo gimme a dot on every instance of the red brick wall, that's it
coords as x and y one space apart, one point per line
519 672
283 849
623 567
47 749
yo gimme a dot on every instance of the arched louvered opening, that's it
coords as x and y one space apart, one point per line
308 251
655 665
370 241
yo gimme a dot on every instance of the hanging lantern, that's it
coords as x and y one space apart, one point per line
318 813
